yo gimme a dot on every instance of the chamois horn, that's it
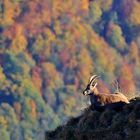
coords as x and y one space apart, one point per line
93 78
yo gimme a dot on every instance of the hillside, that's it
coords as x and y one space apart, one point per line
106 125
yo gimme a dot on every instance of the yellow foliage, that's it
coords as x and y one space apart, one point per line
19 44
39 43
50 37
57 27
85 65
70 104
82 33
134 17
105 55
3 121
2 75
95 11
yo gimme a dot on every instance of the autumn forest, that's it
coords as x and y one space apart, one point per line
48 51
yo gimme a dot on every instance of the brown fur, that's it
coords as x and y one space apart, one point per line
111 98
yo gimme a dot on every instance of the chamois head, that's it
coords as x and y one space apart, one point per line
91 87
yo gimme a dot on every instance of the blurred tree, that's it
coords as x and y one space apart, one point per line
17 64
3 122
51 76
10 10
36 77
106 4
85 67
70 104
95 12
115 37
84 5
134 17
134 54
52 84
17 107
29 110
19 41
126 81
11 64
2 75
4 134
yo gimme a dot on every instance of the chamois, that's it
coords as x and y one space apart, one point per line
100 101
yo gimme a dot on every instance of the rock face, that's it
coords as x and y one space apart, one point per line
106 125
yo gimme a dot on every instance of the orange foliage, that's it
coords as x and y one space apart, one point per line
37 17
17 108
36 77
51 75
13 31
33 109
16 34
126 80
65 56
134 54
11 11
84 5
